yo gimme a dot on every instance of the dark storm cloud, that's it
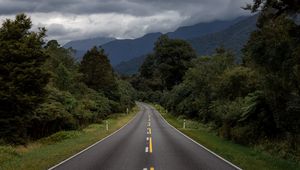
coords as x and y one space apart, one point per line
77 19
132 7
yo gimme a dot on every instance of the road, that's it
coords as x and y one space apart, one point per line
148 142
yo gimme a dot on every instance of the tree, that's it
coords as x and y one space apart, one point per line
62 66
236 82
271 9
173 58
22 79
98 73
273 50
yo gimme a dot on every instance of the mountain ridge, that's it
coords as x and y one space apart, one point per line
122 50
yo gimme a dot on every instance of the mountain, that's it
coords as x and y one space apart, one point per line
201 29
127 55
130 67
124 50
144 45
81 46
233 38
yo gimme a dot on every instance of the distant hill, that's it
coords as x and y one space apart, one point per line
233 38
124 50
81 46
127 55
130 67
201 29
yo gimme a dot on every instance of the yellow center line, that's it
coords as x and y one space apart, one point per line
150 145
149 131
151 168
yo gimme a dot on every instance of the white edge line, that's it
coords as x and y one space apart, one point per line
89 147
218 156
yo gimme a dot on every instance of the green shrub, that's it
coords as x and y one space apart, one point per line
7 153
60 136
245 134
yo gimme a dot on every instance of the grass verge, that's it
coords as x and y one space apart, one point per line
51 150
242 156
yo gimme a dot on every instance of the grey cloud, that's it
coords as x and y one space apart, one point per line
136 17
59 30
132 7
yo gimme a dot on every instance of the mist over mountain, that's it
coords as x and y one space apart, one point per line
88 43
233 37
127 55
201 29
124 50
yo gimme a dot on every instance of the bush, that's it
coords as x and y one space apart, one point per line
245 134
7 153
60 136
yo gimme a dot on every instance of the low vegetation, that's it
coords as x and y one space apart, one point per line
51 150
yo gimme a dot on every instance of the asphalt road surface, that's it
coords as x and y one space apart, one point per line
148 142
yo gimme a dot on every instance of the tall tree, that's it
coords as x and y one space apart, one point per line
173 58
271 9
166 66
274 51
22 79
98 73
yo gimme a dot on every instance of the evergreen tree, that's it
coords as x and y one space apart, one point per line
98 73
273 50
173 57
22 79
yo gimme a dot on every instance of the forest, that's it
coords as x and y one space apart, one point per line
43 89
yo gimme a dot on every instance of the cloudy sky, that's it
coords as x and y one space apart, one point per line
68 20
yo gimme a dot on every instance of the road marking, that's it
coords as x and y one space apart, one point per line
146 149
149 131
151 168
147 138
145 169
149 124
150 145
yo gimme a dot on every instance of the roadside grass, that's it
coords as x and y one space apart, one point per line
242 156
49 151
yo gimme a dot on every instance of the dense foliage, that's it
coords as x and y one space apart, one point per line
22 79
164 68
44 90
254 102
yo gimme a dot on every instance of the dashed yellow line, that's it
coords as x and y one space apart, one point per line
150 145
151 168
149 131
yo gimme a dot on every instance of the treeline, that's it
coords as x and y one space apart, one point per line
44 90
256 102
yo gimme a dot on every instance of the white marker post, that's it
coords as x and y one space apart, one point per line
183 123
106 125
127 110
